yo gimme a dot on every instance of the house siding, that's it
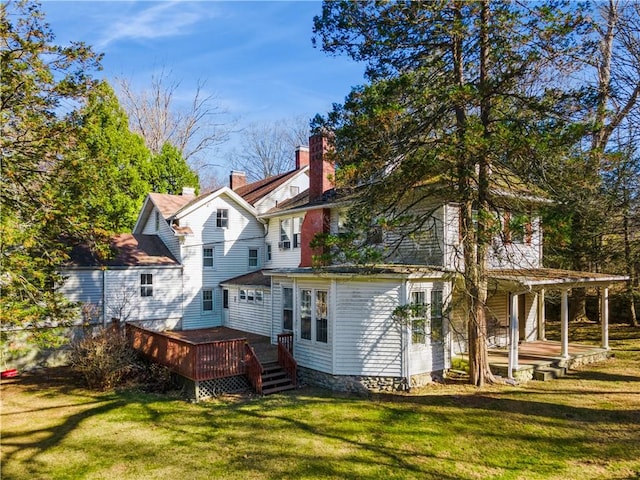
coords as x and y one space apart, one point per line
367 340
281 258
231 256
165 232
253 317
425 247
120 289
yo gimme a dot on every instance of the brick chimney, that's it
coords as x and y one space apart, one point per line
237 179
317 220
320 170
302 157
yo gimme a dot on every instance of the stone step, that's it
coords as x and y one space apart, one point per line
549 373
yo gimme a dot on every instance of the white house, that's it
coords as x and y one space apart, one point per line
240 257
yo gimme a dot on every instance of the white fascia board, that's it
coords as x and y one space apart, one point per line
183 212
144 214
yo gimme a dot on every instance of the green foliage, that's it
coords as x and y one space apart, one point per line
169 172
37 79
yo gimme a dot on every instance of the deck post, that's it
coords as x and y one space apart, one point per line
542 321
604 305
564 324
513 336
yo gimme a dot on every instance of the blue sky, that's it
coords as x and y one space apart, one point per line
255 57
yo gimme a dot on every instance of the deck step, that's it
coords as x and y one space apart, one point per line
275 379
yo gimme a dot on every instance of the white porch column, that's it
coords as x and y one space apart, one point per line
513 336
542 320
604 305
564 324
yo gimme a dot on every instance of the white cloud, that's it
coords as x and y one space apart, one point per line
166 19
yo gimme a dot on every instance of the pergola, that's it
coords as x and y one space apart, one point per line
538 280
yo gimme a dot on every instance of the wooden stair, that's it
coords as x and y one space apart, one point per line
275 379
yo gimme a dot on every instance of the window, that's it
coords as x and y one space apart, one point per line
268 253
146 285
285 240
207 256
251 296
157 221
253 258
314 315
297 226
321 316
517 228
418 320
258 296
436 315
305 314
287 308
243 295
222 218
207 300
225 298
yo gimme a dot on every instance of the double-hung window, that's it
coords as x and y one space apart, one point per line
436 315
287 308
222 218
253 258
418 317
314 315
208 256
285 239
322 321
207 300
146 285
305 314
297 228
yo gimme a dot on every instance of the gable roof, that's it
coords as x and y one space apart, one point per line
130 250
169 204
256 191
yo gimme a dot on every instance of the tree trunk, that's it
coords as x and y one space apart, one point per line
633 319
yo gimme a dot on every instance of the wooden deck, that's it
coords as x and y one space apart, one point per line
204 354
542 360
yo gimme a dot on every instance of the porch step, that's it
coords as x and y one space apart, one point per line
275 379
549 373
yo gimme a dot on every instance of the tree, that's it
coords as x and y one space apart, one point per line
457 95
109 159
267 149
610 70
38 81
170 172
154 115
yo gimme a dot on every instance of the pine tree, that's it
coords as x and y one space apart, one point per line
458 90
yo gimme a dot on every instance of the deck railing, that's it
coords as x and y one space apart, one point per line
253 367
285 356
197 361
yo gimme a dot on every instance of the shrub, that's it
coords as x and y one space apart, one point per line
105 359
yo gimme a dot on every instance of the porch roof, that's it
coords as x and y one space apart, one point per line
257 279
532 278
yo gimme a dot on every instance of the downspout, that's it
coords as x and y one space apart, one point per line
104 297
405 338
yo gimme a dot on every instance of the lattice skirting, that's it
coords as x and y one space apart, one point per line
212 388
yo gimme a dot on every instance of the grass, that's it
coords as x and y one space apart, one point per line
584 426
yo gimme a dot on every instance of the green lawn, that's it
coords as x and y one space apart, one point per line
584 426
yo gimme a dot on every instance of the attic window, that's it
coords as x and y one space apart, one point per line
222 218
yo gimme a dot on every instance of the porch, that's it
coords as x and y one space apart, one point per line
544 359
220 359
